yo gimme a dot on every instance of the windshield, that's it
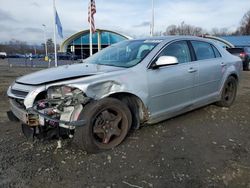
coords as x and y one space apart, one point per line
124 54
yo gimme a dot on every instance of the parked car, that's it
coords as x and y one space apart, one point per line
125 85
16 56
243 53
3 55
64 56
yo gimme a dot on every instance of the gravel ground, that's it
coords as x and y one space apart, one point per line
208 147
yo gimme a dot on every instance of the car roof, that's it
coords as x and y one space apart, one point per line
173 37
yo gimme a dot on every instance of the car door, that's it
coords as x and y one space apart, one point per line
171 88
211 68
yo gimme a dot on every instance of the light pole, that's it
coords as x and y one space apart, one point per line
55 50
45 43
152 20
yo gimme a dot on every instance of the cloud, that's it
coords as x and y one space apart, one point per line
6 16
143 24
31 30
23 19
35 4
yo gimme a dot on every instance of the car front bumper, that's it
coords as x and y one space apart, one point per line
22 114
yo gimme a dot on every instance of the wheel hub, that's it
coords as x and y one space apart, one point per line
107 127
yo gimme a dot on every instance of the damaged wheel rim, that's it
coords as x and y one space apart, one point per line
110 126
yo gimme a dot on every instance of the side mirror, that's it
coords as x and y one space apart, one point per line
166 60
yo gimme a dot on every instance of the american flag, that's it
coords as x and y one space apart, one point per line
91 12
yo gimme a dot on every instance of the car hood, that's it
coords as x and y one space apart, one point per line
64 73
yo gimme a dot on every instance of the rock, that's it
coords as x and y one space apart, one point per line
109 158
224 147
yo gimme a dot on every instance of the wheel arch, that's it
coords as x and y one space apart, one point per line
226 76
136 106
235 76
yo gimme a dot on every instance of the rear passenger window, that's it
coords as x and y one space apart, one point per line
203 50
216 52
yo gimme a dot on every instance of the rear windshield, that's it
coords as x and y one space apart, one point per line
235 50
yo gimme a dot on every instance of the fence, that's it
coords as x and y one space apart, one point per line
37 62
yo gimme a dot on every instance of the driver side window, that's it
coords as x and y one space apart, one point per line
179 49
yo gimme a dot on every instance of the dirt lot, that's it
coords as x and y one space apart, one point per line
208 147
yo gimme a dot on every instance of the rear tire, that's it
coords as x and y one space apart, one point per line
107 124
228 93
246 66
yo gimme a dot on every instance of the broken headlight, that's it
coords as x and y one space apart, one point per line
60 92
69 95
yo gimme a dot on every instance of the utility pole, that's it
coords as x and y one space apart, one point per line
55 50
45 43
152 20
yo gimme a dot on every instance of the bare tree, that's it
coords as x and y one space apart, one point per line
244 28
20 47
220 32
50 45
183 29
171 30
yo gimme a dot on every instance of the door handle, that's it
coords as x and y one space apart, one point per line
191 70
223 64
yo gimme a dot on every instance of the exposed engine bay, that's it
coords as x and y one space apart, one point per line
57 114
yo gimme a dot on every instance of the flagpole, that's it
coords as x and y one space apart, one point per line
152 21
55 51
90 32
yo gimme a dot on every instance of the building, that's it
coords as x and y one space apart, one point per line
238 40
79 42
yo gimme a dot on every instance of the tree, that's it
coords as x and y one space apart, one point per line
183 29
244 28
20 47
50 45
220 32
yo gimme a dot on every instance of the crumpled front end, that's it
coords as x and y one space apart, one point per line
47 110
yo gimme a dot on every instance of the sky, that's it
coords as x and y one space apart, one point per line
23 19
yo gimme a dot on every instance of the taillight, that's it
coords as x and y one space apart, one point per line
243 54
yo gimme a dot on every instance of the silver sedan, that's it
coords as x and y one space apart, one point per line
122 87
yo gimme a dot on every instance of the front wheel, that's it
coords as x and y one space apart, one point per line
229 92
107 124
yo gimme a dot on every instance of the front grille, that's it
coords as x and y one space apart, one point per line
19 93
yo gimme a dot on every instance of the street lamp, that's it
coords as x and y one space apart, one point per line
152 20
45 43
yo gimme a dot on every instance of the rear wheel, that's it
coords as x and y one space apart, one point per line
107 124
228 93
246 66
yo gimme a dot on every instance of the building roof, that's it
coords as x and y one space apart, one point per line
238 40
82 38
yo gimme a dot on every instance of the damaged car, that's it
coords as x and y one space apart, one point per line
128 84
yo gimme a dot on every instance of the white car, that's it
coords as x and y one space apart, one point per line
3 55
123 86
